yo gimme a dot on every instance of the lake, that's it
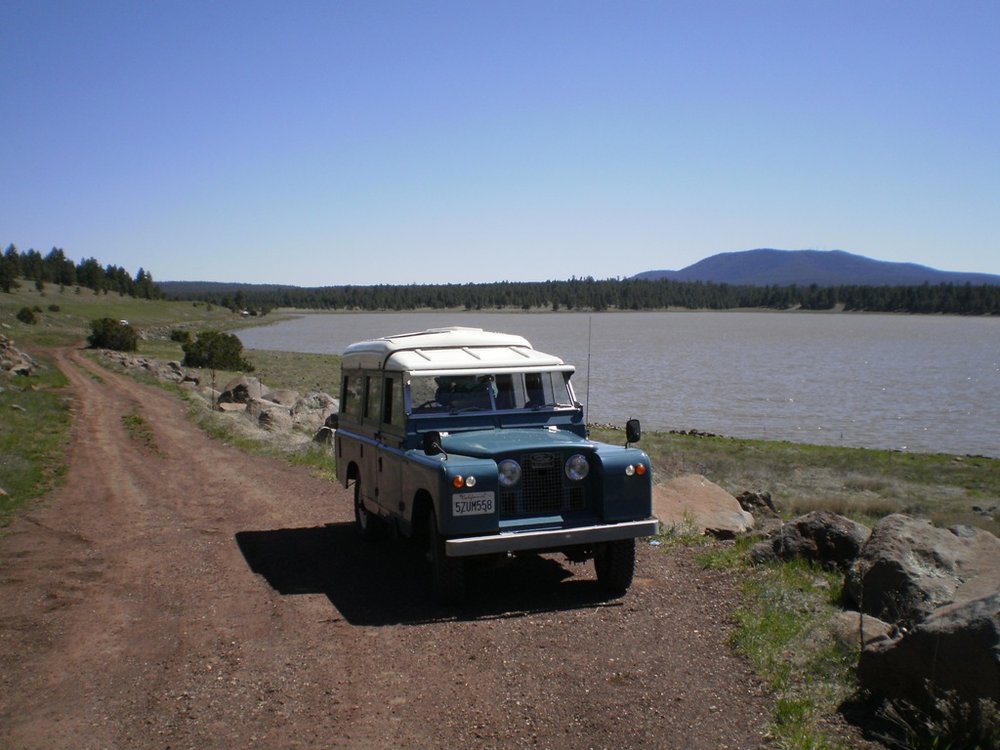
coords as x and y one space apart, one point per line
913 383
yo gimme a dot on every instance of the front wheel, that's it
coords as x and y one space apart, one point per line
615 565
447 573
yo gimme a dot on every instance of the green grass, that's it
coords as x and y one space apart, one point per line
71 323
782 628
35 425
860 483
139 431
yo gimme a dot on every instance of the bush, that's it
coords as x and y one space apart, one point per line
27 315
217 351
181 337
54 308
107 333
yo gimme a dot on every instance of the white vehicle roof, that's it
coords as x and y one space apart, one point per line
447 350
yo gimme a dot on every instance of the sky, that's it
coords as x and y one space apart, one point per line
399 142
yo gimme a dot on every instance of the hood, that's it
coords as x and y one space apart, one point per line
491 443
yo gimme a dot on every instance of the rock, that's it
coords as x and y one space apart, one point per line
820 536
229 407
694 501
908 568
312 410
277 419
13 361
284 397
853 630
242 390
955 649
324 435
757 502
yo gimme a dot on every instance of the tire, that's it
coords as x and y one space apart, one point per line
615 565
368 524
447 573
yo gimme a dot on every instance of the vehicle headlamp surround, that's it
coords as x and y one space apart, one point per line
577 467
508 472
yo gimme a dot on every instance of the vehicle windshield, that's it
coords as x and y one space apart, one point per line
453 394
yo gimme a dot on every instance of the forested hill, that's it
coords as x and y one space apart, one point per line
593 295
824 268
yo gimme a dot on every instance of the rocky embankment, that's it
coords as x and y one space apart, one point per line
296 416
922 602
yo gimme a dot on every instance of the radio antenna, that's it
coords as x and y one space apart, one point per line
590 331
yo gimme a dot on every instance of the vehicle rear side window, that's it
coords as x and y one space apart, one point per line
350 396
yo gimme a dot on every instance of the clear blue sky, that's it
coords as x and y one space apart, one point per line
319 143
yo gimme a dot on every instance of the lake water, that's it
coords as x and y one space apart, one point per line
915 383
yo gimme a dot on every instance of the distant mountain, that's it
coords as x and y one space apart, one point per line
767 267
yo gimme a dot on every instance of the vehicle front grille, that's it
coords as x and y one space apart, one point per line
543 489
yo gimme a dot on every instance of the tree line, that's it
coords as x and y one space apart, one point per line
56 268
612 294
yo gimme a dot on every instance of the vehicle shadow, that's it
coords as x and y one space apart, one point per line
386 583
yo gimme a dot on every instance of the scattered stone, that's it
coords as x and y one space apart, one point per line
13 361
694 501
757 502
854 630
820 536
324 436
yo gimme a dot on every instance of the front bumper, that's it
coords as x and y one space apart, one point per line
512 541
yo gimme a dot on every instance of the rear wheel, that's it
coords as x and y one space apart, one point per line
615 565
447 573
367 523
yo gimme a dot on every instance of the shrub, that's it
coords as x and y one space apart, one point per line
217 351
27 315
181 337
54 308
107 333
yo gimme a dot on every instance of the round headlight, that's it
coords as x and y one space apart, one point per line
509 472
577 467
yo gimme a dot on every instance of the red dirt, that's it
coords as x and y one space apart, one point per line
187 595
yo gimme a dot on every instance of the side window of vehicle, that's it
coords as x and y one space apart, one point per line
392 395
372 390
350 396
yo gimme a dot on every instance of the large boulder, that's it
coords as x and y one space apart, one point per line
695 502
285 397
242 390
311 411
908 568
269 415
955 650
820 536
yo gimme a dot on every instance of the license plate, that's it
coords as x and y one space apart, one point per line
473 503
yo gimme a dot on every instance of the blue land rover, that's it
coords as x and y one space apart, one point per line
474 442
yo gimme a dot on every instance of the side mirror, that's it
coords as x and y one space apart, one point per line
632 431
432 443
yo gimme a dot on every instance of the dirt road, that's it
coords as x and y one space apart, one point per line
177 593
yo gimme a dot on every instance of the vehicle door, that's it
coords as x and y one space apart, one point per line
391 445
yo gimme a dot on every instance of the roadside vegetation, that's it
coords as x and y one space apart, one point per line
35 422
